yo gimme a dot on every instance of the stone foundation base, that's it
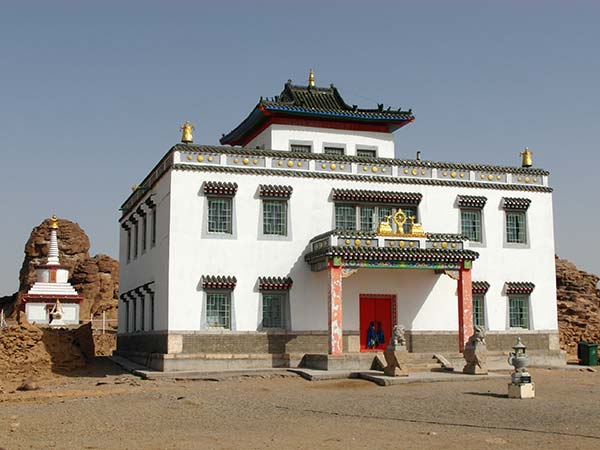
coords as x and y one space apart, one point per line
526 390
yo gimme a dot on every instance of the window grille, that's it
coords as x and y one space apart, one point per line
345 217
218 310
219 215
273 310
135 240
151 311
367 214
478 313
366 153
300 148
471 224
336 151
275 217
143 313
128 245
519 312
515 227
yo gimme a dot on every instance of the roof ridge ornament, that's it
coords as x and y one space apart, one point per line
186 136
527 161
311 78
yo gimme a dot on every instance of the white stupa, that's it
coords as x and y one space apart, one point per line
52 300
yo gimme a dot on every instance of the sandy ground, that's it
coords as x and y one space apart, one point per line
103 408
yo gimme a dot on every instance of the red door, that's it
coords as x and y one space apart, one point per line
375 322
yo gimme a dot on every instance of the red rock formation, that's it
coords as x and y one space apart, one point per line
578 301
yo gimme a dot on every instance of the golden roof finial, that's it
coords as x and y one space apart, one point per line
186 136
54 222
311 78
527 160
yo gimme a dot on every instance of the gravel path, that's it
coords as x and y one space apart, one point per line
288 412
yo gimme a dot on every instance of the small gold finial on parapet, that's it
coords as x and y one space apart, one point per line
527 160
54 222
311 78
186 136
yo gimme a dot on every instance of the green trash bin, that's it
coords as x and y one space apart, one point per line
587 353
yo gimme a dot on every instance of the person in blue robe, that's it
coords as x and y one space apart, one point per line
371 335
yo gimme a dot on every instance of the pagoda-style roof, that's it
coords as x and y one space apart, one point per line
325 106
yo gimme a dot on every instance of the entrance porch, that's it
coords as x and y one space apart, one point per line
384 281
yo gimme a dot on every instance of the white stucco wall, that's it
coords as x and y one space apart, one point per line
38 313
151 265
279 137
425 301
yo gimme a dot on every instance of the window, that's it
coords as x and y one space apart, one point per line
126 316
336 151
144 229
153 227
301 148
128 244
345 217
370 216
135 240
219 215
218 310
516 232
470 220
275 217
151 322
518 311
366 153
273 310
478 312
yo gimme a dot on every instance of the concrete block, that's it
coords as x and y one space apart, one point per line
525 390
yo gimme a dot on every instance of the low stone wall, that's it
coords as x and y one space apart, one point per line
447 341
314 342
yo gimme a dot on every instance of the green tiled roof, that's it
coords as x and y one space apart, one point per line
515 203
480 287
471 201
363 195
392 254
519 287
274 283
275 191
218 282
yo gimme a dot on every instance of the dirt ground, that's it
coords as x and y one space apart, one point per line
103 408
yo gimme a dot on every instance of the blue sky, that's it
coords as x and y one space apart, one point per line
92 93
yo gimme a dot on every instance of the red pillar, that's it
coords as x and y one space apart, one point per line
334 270
465 305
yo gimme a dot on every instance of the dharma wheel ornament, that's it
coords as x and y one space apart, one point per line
186 136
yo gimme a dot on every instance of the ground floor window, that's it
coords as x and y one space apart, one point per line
478 312
218 310
519 311
152 311
273 309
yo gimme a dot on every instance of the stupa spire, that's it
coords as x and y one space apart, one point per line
53 251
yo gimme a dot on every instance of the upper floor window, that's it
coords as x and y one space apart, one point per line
470 220
135 239
301 148
144 233
275 217
516 232
335 151
366 153
516 219
345 217
219 215
219 200
128 244
370 216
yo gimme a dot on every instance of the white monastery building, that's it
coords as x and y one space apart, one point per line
52 300
303 235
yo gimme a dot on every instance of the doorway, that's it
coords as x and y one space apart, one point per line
376 321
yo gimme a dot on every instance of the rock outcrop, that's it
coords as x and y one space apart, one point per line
578 301
96 278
